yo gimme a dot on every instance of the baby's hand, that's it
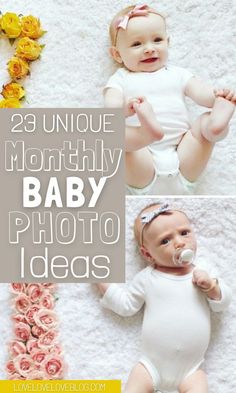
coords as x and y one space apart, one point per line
227 94
202 279
129 105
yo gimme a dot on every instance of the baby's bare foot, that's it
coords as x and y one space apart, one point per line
148 119
219 119
129 106
228 94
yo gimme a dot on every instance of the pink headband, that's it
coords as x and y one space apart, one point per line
138 10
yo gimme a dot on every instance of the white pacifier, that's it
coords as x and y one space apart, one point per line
183 256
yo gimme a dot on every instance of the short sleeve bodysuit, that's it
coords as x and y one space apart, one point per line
164 90
176 323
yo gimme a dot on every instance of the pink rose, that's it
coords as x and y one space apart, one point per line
19 318
37 331
17 287
17 348
22 331
30 314
47 300
45 319
53 367
47 339
22 303
38 356
32 344
35 292
10 367
23 364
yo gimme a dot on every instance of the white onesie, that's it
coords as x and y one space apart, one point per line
164 90
176 323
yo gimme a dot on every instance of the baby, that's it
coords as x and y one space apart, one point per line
177 296
164 154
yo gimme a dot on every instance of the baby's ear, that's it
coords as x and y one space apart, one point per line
146 254
115 54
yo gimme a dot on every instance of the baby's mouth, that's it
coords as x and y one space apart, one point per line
150 60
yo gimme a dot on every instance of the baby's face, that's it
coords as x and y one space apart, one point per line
143 46
165 234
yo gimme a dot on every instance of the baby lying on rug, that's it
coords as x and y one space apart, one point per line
165 154
178 297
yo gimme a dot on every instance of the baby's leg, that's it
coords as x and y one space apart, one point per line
139 381
139 162
139 168
217 126
195 383
194 150
149 130
196 146
148 119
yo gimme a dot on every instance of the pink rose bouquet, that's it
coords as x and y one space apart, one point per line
35 352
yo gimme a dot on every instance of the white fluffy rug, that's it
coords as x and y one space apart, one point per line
75 63
71 73
99 344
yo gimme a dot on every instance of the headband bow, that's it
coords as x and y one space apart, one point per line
146 218
138 10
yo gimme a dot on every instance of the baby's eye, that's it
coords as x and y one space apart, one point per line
165 241
185 232
157 39
136 43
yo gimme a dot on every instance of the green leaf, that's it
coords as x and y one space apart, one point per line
12 40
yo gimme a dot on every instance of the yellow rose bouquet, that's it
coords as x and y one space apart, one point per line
25 30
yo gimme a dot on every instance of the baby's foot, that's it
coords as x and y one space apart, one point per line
219 119
148 119
228 94
129 106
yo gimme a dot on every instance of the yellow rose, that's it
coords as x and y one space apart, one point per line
10 103
11 25
13 90
31 27
18 68
28 49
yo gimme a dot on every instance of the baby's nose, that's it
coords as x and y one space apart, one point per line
148 48
179 242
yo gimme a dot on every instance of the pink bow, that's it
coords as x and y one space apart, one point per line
139 10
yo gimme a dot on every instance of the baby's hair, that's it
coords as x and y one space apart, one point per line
113 29
137 221
138 226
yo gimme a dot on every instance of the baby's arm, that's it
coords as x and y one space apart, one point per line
207 284
204 94
125 301
113 98
149 130
200 92
103 286
218 293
